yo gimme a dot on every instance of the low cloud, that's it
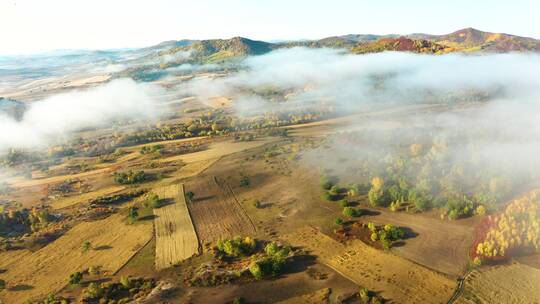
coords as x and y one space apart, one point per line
57 117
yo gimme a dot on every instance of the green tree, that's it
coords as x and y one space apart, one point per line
86 245
190 195
125 282
152 201
133 214
75 278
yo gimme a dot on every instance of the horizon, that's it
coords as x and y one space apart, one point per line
53 52
64 25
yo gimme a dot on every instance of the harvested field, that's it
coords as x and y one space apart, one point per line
509 284
176 239
34 275
20 183
391 276
165 142
76 199
216 150
193 169
216 212
317 297
440 245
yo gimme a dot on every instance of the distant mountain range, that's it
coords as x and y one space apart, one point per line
467 40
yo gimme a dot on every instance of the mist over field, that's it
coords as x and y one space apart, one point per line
197 152
55 118
352 81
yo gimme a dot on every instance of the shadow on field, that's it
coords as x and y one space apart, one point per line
203 198
369 212
21 287
103 247
150 217
409 234
97 281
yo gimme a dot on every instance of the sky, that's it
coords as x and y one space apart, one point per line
34 26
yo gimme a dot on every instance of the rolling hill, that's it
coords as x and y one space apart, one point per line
196 52
465 40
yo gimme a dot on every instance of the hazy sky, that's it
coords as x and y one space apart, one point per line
29 26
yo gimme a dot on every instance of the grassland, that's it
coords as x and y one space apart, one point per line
73 200
176 239
33 275
397 279
515 283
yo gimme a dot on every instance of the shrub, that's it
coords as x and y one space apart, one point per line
125 282
190 195
130 177
480 210
75 278
236 247
244 181
86 245
338 221
364 294
133 214
351 212
326 183
152 201
255 270
257 204
344 203
94 290
239 301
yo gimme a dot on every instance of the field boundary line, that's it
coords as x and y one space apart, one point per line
199 245
133 256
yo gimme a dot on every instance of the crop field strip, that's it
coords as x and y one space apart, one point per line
76 199
36 274
176 239
219 214
514 283
395 278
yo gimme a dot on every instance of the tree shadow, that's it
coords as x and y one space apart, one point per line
266 205
149 217
97 281
409 233
21 287
166 201
103 247
370 212
202 198
299 264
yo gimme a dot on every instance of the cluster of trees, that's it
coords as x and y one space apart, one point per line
235 247
152 201
116 198
24 220
386 234
272 262
420 172
515 230
16 157
130 177
53 299
154 149
133 214
125 291
368 297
